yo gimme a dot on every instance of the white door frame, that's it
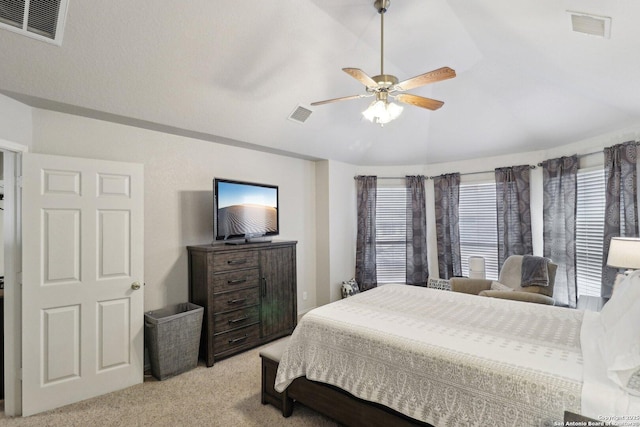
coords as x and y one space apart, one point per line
12 278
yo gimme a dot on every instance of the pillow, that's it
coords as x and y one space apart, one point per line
619 279
350 288
620 344
628 379
497 286
633 383
627 292
442 284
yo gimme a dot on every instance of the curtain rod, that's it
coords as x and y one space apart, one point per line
581 155
479 172
431 177
386 177
590 154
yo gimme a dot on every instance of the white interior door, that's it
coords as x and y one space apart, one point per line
82 262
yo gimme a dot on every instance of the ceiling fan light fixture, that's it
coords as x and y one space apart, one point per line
382 112
386 86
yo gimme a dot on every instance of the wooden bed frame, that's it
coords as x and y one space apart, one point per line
326 399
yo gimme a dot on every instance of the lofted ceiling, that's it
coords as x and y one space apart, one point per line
234 71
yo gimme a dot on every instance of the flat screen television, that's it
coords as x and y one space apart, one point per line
244 210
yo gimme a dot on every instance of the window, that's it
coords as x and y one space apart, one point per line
391 232
478 227
590 231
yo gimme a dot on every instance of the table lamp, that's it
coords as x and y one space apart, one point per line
624 252
476 267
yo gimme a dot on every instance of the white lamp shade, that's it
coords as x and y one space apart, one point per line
476 267
624 252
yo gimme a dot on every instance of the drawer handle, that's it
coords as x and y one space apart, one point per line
236 282
237 301
237 340
242 319
236 261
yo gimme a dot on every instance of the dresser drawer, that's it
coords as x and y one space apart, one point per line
234 300
238 338
233 280
236 319
234 260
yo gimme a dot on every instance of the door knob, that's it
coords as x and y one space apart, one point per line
135 286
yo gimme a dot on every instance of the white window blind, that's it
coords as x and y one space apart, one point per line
391 232
590 231
479 227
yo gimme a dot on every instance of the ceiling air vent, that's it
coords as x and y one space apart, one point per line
592 25
39 19
300 114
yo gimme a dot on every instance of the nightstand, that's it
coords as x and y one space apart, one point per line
591 303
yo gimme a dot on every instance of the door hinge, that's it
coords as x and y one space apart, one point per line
19 374
19 277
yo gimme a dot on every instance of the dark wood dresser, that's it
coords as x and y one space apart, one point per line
248 293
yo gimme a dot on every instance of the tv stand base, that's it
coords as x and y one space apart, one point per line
261 239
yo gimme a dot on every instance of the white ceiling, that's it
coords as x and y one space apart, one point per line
234 71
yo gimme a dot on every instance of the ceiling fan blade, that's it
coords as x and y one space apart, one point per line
419 101
344 98
361 76
443 73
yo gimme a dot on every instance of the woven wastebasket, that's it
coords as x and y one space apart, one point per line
172 336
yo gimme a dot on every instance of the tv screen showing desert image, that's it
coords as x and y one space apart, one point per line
246 209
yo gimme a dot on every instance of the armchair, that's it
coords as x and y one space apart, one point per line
511 276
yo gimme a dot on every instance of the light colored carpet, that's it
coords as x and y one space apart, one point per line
227 394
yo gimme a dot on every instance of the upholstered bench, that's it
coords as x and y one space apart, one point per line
270 359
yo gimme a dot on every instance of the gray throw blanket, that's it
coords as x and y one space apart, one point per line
534 271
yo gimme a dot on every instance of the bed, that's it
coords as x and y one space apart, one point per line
444 358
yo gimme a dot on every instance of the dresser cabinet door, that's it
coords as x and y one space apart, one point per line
278 289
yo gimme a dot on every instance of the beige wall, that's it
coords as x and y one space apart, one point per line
335 229
178 193
342 226
323 235
15 121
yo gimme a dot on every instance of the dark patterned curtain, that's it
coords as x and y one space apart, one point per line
447 199
620 162
366 274
514 213
417 269
559 177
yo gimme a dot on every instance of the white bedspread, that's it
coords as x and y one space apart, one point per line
446 358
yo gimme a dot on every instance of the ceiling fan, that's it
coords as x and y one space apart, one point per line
386 86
